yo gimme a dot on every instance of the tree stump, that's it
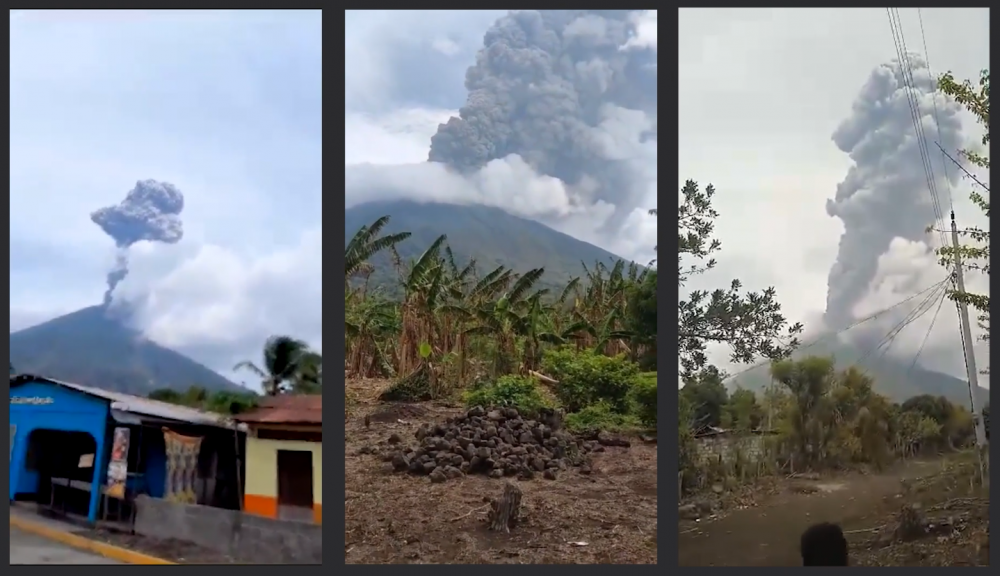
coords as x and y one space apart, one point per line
504 511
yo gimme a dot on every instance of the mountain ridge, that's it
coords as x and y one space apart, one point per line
893 378
490 235
93 347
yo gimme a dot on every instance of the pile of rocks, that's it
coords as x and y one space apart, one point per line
496 442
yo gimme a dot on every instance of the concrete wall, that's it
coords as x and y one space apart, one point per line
245 538
727 447
261 492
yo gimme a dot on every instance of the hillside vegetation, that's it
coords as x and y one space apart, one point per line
492 335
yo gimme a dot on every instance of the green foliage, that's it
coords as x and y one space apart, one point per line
644 398
750 324
221 402
289 365
641 319
586 378
706 396
511 391
601 416
742 412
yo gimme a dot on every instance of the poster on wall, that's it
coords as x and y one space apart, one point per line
118 465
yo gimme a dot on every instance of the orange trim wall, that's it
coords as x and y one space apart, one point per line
266 506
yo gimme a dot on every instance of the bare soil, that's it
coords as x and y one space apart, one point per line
605 517
867 506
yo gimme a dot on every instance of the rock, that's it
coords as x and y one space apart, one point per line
437 476
495 442
688 512
718 489
400 462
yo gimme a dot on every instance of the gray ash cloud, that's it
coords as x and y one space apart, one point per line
151 211
885 194
557 88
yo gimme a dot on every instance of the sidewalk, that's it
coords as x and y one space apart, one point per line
26 520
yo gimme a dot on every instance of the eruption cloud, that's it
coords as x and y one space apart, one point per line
150 211
885 194
566 98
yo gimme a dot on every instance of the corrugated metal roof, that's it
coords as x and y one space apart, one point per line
292 409
139 405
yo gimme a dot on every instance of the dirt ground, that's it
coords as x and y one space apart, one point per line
605 517
866 506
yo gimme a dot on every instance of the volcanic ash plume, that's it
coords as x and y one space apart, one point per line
885 194
150 211
567 92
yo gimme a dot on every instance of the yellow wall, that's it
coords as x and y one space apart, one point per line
262 474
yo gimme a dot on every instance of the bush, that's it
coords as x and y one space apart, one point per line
600 416
512 391
644 398
586 378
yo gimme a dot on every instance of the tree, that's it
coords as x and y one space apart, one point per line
641 320
975 252
742 411
751 324
706 396
366 243
286 361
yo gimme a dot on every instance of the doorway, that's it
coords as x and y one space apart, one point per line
295 485
58 471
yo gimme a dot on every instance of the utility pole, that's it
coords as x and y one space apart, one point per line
970 357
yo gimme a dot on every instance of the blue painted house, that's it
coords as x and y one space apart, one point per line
67 429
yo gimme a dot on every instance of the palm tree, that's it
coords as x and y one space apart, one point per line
366 243
286 361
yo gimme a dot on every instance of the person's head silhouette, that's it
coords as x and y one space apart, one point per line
823 545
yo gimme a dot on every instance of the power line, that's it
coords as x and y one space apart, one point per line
927 334
906 70
886 342
937 118
842 330
962 168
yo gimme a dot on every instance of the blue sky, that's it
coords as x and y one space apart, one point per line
404 74
227 106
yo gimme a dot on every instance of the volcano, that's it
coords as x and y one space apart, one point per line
93 347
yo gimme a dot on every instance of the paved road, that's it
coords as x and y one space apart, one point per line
27 548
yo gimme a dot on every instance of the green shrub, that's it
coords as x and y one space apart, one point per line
512 391
600 416
586 378
644 398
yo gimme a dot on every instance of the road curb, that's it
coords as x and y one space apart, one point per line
81 543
